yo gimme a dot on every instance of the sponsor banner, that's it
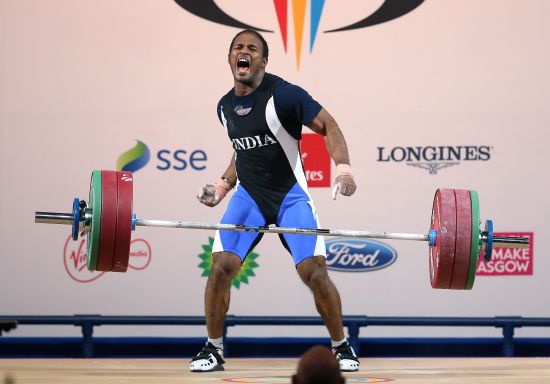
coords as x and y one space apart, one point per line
74 259
509 261
434 158
165 129
316 160
246 271
357 255
179 159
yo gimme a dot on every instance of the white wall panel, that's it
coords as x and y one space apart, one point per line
81 81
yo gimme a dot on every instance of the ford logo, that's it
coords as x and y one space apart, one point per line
354 255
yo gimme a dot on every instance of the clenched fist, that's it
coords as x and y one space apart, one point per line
211 194
344 183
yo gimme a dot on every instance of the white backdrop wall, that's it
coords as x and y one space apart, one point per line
82 81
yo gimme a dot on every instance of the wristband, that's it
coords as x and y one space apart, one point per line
228 182
343 169
222 187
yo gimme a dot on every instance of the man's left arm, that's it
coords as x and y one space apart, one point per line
324 124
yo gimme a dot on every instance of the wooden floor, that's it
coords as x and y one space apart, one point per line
166 371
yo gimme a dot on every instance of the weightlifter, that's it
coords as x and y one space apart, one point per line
263 116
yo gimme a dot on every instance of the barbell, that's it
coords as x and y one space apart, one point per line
456 240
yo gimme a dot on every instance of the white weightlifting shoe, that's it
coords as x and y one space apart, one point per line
209 359
346 357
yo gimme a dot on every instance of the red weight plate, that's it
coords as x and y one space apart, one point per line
124 221
463 238
107 230
442 255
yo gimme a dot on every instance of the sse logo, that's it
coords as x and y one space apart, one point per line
353 255
136 158
389 10
74 258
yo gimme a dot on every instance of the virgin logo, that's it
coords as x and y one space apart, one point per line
74 259
140 254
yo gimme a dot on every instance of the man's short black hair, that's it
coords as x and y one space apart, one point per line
265 49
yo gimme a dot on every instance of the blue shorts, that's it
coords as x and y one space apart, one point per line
296 211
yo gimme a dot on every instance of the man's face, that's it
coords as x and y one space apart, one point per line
245 58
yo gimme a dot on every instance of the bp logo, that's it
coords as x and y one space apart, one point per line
247 269
301 11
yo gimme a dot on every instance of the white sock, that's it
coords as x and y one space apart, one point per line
218 343
338 343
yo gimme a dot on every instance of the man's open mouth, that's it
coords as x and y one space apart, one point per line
243 65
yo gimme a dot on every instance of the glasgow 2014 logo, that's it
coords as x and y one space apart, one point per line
388 10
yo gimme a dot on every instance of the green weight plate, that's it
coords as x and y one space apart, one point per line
94 203
475 245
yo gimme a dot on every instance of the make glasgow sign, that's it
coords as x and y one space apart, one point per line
388 10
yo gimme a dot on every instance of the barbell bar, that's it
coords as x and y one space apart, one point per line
455 237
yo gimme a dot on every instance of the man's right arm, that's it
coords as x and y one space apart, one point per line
230 174
211 194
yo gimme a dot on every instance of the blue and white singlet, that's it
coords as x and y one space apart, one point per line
265 129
